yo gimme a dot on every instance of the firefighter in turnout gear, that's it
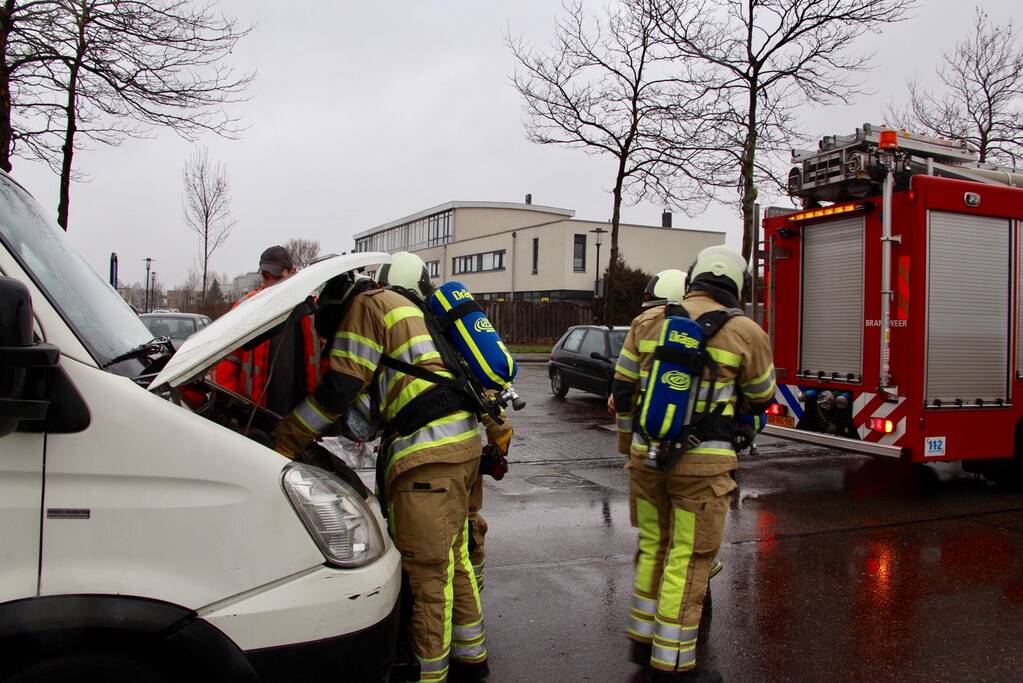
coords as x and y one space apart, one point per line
430 450
680 507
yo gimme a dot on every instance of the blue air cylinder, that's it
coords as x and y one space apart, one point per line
472 335
672 388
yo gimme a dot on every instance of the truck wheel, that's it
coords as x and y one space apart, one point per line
558 385
92 667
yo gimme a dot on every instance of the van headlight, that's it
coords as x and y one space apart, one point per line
337 518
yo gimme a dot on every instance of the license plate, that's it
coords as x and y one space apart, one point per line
782 421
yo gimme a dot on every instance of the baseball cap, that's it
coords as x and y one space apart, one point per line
275 260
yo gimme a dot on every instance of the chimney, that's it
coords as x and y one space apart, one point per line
666 219
529 199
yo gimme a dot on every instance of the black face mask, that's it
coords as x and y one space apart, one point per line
720 288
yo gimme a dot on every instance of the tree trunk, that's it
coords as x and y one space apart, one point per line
68 150
747 168
616 215
6 128
71 111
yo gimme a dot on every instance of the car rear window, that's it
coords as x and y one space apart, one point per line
574 340
594 343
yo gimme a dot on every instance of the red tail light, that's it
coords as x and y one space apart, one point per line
881 424
777 409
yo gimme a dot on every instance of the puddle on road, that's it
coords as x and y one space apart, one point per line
560 481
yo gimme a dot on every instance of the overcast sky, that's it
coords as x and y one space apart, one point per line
363 112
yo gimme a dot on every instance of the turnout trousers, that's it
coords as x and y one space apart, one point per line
429 523
477 531
681 521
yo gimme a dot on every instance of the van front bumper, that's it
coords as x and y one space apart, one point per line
336 624
366 655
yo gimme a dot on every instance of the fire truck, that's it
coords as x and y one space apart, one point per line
893 300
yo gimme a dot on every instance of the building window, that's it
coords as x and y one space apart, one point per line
431 231
434 268
478 263
536 255
579 254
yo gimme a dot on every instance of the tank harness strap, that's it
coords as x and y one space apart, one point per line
690 359
460 311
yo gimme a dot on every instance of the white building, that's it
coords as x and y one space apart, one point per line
529 252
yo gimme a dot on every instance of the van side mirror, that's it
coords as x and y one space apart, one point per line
19 353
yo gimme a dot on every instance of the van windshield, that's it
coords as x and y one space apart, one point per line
104 323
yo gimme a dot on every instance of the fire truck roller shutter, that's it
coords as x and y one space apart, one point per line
832 316
968 294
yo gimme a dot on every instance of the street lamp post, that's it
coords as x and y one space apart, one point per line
599 233
149 264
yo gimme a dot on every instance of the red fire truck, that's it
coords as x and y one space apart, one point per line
893 301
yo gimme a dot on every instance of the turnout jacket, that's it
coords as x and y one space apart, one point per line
382 323
742 351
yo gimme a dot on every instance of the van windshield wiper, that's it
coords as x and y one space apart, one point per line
154 345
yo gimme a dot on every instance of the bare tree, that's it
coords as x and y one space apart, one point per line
303 252
769 59
207 207
27 56
604 87
125 66
982 98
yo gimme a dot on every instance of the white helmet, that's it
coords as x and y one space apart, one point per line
408 271
667 285
722 262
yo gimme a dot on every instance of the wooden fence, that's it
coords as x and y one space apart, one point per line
523 322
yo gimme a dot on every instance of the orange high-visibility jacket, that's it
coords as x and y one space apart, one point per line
245 372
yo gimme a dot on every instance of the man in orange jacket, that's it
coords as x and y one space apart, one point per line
280 372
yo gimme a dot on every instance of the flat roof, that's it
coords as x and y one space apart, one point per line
448 206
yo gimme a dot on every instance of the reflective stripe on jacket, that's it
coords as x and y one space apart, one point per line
245 372
742 351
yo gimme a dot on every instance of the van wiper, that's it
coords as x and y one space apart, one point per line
154 345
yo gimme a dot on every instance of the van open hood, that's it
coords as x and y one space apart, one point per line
254 316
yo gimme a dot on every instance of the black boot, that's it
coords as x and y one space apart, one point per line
691 676
463 672
639 653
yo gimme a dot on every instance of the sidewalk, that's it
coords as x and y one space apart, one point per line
531 357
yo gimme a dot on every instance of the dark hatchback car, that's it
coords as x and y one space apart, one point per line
584 358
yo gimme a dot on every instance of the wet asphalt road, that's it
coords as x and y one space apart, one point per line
837 567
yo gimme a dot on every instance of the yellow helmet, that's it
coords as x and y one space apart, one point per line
667 285
722 262
408 271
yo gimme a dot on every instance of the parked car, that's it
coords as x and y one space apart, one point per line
177 326
142 537
584 358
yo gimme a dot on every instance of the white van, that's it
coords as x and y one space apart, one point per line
141 538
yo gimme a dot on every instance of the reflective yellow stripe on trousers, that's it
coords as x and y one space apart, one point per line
675 645
641 614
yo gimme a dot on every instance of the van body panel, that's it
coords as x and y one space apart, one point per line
178 508
21 490
311 606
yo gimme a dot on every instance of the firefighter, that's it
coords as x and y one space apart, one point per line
279 372
430 451
680 510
